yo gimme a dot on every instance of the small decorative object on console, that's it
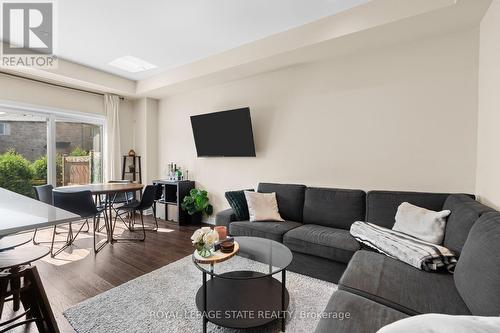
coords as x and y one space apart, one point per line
227 246
204 240
217 245
222 231
174 172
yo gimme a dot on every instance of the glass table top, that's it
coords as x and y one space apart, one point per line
257 257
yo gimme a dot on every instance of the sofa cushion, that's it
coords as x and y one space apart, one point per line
477 274
331 207
321 241
317 267
381 206
440 323
365 316
290 199
464 212
401 286
262 207
421 223
270 230
238 203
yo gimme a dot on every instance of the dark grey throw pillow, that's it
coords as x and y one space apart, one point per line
238 203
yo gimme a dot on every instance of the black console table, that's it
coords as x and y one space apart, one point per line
173 194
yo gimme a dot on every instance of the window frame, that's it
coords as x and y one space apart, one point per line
54 115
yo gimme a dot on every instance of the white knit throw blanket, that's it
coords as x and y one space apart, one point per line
413 251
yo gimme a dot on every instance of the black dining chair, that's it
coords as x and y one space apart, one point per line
121 198
82 204
44 194
146 202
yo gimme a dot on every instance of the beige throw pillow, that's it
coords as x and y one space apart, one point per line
421 223
262 207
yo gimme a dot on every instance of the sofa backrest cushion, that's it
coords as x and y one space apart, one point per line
465 211
381 206
290 199
477 274
331 207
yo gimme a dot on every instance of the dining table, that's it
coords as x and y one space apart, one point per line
110 192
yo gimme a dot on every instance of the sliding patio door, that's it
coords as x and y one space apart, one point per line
78 152
49 148
23 151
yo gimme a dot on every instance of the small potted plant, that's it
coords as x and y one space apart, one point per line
204 240
197 204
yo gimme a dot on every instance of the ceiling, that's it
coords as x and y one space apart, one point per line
171 33
225 40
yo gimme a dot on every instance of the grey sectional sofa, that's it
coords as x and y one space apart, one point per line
316 227
377 290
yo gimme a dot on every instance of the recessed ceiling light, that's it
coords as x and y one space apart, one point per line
132 64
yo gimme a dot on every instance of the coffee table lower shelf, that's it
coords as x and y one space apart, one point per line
242 300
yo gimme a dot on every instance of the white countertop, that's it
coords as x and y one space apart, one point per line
20 213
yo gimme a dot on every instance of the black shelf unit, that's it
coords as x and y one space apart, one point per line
173 194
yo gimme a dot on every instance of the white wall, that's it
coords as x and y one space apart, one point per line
403 117
31 92
127 123
145 134
488 154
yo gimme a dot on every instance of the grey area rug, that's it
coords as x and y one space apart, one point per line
164 301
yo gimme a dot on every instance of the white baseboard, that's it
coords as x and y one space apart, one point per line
210 220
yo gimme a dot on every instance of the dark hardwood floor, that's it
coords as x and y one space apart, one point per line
78 274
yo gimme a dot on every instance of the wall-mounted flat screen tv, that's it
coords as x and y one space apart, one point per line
226 133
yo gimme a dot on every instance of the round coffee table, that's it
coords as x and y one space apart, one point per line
243 293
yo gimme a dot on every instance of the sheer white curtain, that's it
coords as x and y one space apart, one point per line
112 128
